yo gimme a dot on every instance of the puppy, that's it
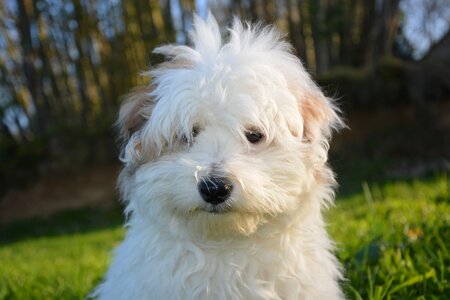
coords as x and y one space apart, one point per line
225 175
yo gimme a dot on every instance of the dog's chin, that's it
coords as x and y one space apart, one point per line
221 221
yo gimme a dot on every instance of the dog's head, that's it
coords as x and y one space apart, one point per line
228 135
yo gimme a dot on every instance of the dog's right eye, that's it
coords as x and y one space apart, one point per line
194 133
253 136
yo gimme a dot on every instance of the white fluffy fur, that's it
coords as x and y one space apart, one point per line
269 242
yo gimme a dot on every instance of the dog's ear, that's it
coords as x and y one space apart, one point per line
135 111
320 115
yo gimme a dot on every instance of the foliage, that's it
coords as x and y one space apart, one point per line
67 62
392 237
21 163
384 84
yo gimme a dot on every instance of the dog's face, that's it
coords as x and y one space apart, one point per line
226 137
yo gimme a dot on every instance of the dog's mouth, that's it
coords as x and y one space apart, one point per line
223 208
217 209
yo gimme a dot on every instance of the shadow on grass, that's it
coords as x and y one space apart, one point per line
67 222
351 175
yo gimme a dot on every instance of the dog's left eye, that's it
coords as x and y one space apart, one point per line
253 136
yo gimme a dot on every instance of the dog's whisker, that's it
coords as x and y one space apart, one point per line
197 170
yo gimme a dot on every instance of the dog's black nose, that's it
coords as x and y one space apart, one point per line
215 190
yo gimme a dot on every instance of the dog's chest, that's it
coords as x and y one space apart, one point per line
227 271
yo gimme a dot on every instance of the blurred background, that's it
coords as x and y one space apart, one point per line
64 65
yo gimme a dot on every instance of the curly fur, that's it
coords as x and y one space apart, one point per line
268 241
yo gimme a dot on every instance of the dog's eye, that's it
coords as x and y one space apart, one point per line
253 136
194 133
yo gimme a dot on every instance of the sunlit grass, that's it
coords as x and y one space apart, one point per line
58 258
63 267
393 238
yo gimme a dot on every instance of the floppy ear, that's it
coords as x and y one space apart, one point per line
135 111
320 115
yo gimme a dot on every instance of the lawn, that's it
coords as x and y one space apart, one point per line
393 238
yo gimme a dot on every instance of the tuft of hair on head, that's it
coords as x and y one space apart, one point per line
206 39
208 42
206 36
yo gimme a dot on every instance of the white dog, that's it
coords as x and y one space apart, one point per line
225 175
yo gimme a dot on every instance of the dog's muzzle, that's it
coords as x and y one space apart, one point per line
215 190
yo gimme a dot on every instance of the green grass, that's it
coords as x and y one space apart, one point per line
62 267
57 258
393 238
